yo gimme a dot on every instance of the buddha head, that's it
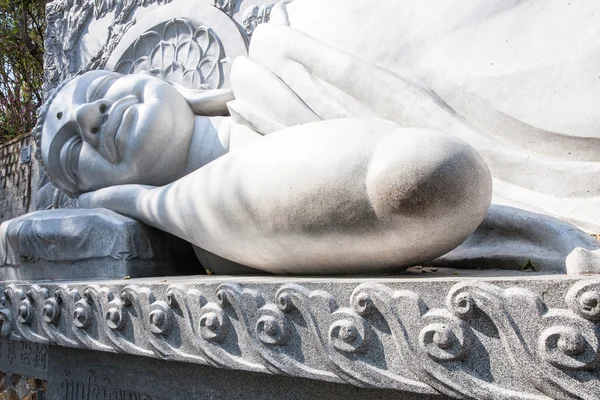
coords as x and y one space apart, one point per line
103 129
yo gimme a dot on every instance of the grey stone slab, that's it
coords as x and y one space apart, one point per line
81 374
88 244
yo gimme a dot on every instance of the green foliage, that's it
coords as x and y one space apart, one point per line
529 266
21 64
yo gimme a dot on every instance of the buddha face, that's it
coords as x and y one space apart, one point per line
104 129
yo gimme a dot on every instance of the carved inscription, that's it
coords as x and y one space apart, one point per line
23 356
98 388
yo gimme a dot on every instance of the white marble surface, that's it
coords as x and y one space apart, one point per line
341 196
333 187
522 93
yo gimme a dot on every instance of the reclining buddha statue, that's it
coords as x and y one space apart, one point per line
355 144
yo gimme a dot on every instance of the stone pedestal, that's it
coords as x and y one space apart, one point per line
446 333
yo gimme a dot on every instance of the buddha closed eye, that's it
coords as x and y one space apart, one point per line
103 129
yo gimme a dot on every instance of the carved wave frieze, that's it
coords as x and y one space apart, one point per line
473 340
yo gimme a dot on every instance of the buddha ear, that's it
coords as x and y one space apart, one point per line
210 103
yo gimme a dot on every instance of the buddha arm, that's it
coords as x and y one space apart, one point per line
341 194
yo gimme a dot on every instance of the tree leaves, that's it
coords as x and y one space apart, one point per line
21 64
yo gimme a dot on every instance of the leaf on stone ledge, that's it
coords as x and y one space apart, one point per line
529 266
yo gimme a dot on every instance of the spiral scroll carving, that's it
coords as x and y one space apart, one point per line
584 300
211 325
51 311
160 318
25 314
347 336
82 315
567 348
380 336
5 323
115 316
443 342
272 326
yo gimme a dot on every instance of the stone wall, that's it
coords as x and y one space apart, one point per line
18 182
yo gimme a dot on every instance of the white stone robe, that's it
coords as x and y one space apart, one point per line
517 80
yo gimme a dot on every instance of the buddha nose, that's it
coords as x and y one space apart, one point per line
90 117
